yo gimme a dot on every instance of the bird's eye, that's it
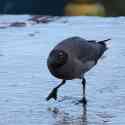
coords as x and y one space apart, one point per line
60 54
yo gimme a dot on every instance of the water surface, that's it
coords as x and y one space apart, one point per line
25 80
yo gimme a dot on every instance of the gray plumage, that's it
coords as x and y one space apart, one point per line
73 57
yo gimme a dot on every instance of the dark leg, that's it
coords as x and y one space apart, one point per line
83 100
53 93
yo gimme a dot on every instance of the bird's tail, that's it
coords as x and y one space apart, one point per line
104 42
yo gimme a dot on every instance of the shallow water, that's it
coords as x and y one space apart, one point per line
25 80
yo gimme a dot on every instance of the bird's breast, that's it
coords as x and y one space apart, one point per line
65 72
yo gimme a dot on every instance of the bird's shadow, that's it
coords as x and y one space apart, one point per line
62 117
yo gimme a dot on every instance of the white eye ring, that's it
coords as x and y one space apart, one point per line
60 54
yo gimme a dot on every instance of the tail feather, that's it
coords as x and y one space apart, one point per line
104 42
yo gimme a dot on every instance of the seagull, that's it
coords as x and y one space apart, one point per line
72 58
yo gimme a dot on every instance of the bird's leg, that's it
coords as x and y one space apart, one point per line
53 93
83 100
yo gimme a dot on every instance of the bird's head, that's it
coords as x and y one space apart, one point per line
57 58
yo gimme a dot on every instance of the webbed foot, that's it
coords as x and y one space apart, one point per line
53 94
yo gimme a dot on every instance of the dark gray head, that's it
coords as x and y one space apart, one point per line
57 58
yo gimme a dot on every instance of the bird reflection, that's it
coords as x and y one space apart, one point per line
63 118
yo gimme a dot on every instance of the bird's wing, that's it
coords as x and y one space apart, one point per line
92 41
89 52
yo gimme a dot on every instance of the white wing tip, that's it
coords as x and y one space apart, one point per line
108 45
